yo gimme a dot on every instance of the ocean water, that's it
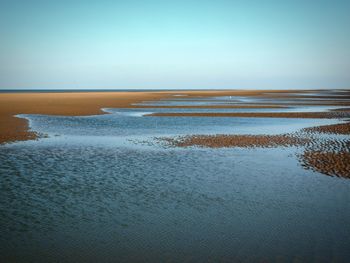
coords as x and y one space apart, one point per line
100 189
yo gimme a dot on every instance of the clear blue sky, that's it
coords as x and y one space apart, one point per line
174 44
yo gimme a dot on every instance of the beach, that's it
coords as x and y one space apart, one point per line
174 131
178 176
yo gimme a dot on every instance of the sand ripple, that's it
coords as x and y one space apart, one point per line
342 128
246 141
329 163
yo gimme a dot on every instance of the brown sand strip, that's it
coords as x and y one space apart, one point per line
329 163
246 141
313 115
342 128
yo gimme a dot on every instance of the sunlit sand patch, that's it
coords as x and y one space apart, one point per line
245 141
329 156
342 128
328 163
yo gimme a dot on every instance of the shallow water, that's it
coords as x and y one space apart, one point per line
130 122
292 99
94 191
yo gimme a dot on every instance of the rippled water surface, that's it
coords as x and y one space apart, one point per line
99 189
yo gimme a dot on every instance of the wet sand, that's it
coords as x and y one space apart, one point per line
342 128
245 141
328 163
330 156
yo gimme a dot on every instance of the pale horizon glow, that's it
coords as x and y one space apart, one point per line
175 44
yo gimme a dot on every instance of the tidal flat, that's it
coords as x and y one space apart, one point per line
175 176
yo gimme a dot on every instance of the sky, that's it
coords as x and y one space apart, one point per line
182 44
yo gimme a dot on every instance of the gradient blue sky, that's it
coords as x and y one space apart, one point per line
174 44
